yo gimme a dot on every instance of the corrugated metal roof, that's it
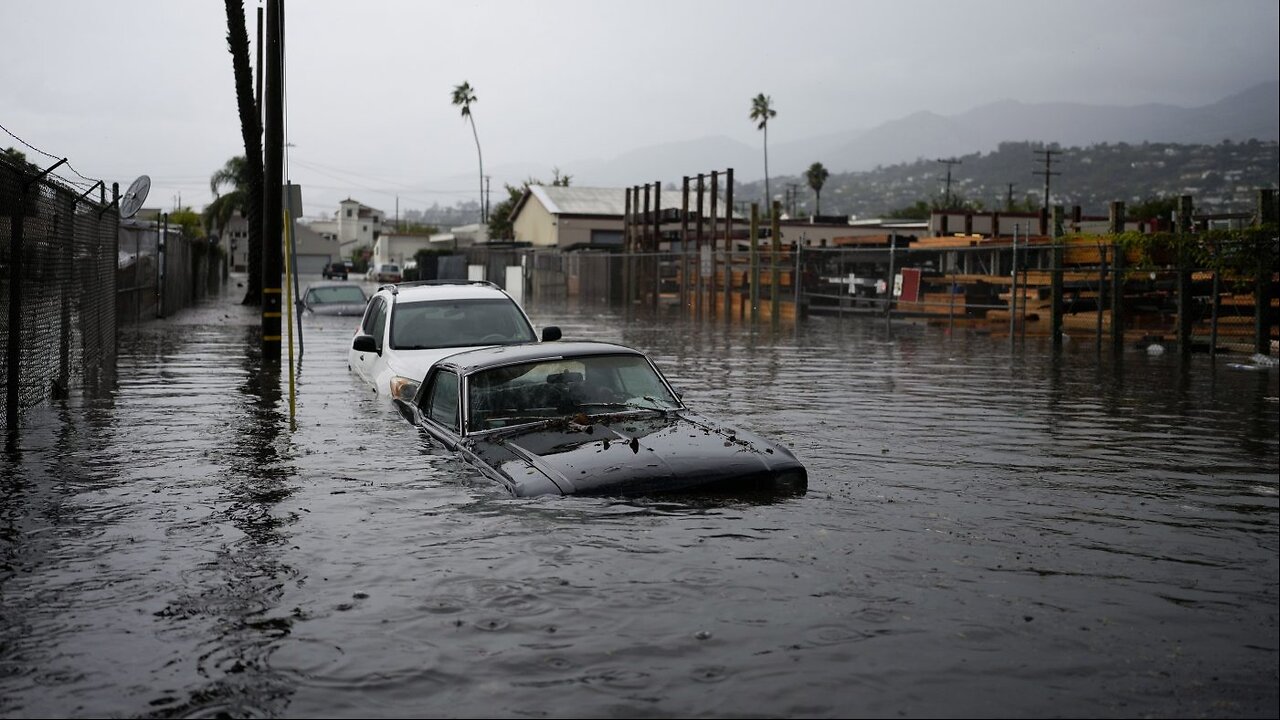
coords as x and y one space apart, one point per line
559 200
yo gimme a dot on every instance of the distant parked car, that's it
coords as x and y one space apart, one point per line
409 326
588 418
333 298
335 271
384 273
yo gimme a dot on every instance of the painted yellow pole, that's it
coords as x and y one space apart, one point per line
288 292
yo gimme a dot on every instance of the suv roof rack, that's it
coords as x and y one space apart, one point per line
394 288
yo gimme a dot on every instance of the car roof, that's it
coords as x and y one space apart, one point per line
471 360
443 290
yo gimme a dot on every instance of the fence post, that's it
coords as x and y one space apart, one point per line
627 229
728 243
1184 275
1056 273
684 244
697 259
715 230
775 248
795 280
1262 283
1117 277
1013 288
755 262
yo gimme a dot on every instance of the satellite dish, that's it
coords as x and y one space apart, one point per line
131 201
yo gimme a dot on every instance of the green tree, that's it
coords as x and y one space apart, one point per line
463 96
761 112
1154 208
817 176
233 175
918 211
15 156
921 209
189 220
251 176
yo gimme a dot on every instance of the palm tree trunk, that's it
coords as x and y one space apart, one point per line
251 132
484 215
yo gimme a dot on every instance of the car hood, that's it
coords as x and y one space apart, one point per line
652 453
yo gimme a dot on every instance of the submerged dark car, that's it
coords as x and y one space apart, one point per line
334 299
588 418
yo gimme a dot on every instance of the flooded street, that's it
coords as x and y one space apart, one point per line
987 533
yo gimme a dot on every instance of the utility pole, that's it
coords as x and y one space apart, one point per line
484 211
1047 172
795 195
1008 198
273 171
947 197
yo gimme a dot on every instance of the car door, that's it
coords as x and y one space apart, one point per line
375 324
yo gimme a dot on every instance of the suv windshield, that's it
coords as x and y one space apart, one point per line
458 323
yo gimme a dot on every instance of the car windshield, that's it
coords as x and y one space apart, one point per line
568 387
458 323
336 294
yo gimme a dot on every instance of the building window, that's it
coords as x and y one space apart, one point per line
348 212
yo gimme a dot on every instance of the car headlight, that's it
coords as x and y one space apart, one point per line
404 388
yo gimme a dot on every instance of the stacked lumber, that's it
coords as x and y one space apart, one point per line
935 304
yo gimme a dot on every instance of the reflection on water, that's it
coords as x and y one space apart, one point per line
987 532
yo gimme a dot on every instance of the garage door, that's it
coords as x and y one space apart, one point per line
312 264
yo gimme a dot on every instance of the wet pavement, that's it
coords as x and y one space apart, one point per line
988 533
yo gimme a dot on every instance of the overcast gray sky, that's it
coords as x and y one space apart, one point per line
145 86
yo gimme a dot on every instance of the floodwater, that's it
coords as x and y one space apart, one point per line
988 532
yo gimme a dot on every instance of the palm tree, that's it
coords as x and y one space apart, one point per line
817 177
761 111
463 96
218 213
248 178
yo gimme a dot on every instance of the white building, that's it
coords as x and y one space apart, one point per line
398 248
353 226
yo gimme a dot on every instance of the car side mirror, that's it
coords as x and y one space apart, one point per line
406 411
365 343
550 333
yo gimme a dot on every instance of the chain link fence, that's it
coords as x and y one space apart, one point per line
57 268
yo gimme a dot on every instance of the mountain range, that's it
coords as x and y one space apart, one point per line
1251 114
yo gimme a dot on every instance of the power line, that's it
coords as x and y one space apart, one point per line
948 162
1048 163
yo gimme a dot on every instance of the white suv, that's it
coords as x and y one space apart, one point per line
408 327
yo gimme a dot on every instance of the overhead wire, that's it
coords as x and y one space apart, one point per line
88 181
